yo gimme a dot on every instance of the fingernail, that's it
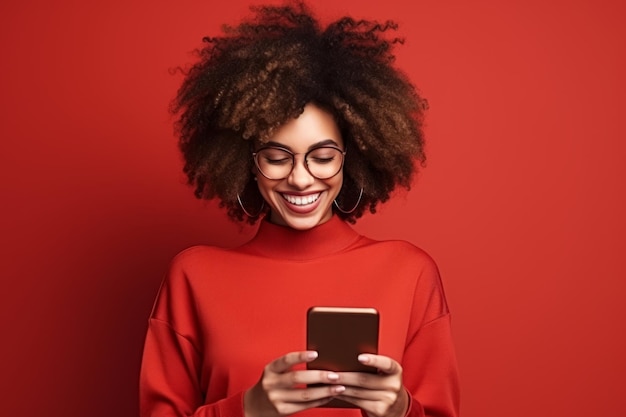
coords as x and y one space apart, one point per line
339 389
364 358
332 376
311 355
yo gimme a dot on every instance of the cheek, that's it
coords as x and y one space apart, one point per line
337 184
263 186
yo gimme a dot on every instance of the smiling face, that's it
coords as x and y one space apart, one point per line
300 200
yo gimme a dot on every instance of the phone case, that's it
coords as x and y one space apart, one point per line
339 335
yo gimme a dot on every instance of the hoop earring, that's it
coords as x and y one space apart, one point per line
246 211
353 208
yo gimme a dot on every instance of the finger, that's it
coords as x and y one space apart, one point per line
286 408
285 362
306 395
377 403
371 381
384 364
360 379
354 393
294 378
375 408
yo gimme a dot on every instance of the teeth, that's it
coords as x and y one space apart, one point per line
301 200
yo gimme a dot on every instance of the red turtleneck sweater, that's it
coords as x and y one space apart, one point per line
222 315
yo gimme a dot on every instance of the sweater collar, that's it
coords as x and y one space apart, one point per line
274 241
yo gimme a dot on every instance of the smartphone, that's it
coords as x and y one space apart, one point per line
339 335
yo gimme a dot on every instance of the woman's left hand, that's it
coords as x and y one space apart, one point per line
381 394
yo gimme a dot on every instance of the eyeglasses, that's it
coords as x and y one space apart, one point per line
276 163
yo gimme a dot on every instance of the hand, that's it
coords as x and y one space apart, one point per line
379 395
282 391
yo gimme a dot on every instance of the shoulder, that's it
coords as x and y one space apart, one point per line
404 261
188 271
200 259
415 267
195 253
400 250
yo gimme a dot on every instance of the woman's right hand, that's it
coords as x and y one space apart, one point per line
282 391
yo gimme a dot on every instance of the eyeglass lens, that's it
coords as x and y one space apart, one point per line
277 163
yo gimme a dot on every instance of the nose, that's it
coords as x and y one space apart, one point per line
300 178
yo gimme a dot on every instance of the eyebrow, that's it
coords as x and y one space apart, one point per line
324 142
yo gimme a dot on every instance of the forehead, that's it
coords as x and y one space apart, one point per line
314 125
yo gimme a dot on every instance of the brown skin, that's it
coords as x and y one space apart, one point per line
259 77
314 126
262 73
279 392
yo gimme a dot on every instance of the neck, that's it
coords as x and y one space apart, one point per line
276 241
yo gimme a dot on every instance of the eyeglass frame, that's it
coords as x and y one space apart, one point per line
293 160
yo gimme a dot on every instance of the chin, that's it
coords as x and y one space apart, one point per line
305 224
301 222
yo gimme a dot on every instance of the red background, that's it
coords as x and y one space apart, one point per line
522 203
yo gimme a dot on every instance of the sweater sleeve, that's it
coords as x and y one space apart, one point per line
430 372
429 363
169 380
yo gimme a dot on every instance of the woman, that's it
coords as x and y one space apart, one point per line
305 129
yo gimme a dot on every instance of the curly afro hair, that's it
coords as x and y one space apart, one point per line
261 73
